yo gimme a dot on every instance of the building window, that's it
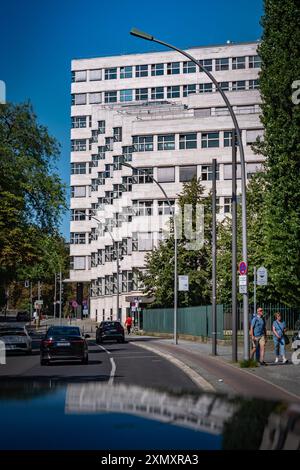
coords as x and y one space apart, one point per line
188 141
95 74
77 238
252 135
127 282
157 93
227 139
78 262
79 76
187 173
164 208
189 67
173 92
78 168
117 132
126 72
166 174
205 88
142 241
141 94
166 142
142 177
206 172
126 95
78 214
210 139
157 69
253 168
101 127
189 90
227 205
207 64
78 122
238 63
142 143
141 70
111 73
78 145
239 85
254 62
78 191
94 98
224 86
78 98
110 96
109 144
222 64
253 84
142 208
173 68
227 171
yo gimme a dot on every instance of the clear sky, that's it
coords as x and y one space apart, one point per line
39 38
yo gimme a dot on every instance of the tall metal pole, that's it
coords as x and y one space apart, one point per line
60 296
118 283
254 292
149 37
214 258
30 300
234 252
39 290
54 299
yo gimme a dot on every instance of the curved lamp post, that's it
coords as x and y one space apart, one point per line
172 210
149 37
117 258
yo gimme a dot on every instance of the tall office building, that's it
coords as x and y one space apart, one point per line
161 114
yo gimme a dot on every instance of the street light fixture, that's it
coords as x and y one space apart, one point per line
106 229
172 210
149 37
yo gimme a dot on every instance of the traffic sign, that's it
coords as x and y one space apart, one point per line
243 268
38 303
262 276
183 283
243 284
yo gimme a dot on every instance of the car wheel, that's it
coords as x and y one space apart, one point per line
85 360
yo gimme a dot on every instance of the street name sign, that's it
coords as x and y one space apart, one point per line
183 283
262 276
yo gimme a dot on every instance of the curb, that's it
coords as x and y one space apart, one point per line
203 384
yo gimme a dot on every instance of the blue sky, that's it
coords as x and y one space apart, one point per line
38 40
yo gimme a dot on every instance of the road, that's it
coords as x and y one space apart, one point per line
111 362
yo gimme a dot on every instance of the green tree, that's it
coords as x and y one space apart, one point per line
32 194
280 54
159 277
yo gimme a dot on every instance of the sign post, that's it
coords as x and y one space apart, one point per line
183 283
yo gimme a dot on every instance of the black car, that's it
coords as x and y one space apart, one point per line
110 330
64 343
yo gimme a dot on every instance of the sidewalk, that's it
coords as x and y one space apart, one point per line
276 381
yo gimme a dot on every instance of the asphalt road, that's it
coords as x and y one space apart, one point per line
110 362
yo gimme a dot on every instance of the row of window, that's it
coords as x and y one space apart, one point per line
128 281
159 93
170 68
145 143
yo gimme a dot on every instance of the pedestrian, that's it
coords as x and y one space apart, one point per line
128 324
35 315
257 353
258 335
279 329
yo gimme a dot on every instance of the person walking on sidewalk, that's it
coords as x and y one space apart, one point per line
279 329
258 335
128 324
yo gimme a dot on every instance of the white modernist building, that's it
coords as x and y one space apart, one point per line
163 115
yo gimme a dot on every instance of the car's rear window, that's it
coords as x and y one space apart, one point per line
111 324
63 331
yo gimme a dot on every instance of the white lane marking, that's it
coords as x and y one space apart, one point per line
113 366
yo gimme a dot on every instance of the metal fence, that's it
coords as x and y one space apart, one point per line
194 321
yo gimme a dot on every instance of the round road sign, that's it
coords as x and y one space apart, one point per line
243 268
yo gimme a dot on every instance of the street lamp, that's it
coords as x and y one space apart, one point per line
172 210
149 37
106 229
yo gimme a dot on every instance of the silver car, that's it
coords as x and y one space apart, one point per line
16 338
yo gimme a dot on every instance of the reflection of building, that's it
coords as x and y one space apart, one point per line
283 430
204 413
163 115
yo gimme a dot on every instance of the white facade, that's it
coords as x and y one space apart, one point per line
159 113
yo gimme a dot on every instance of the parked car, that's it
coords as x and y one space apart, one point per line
64 343
16 338
23 316
110 330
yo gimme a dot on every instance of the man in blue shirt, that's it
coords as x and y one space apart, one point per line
258 335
